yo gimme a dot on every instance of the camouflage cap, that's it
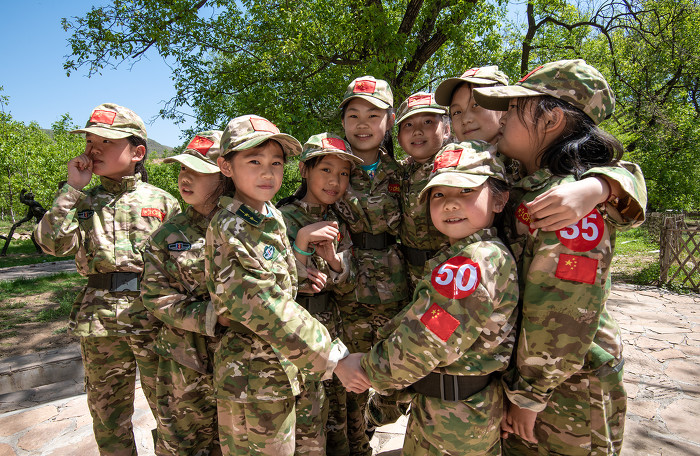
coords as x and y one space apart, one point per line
376 91
328 144
487 76
201 153
465 165
419 102
572 81
112 121
246 132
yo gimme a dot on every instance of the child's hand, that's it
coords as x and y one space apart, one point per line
351 374
521 422
317 279
79 171
506 428
566 204
317 232
326 250
223 321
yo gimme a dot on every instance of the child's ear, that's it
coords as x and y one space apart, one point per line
501 202
139 153
554 120
225 166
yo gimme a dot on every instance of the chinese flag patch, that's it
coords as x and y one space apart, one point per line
447 159
394 188
333 143
105 117
260 124
441 323
200 144
577 268
530 73
419 100
470 72
153 212
364 86
523 216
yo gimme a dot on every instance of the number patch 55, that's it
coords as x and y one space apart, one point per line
585 234
456 278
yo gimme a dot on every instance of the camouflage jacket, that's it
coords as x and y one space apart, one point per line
629 211
374 206
461 319
251 277
298 214
416 229
174 290
564 285
106 227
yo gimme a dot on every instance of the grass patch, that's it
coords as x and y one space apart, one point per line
27 287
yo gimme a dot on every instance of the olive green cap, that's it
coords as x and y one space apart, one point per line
328 144
419 102
112 121
246 132
201 153
376 91
486 76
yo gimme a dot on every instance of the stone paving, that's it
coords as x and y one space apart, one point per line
662 374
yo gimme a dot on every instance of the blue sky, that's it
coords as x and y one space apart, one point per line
33 49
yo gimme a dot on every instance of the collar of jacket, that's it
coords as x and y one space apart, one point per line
127 183
248 214
536 180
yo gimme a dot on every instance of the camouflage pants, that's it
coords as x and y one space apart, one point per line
261 427
312 414
361 323
584 416
186 411
472 426
110 377
383 410
337 423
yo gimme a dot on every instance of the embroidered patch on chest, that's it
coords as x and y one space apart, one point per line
456 278
440 322
179 246
86 214
153 212
268 252
394 188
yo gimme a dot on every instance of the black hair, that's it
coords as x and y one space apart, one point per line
581 146
499 190
300 192
141 165
225 187
388 141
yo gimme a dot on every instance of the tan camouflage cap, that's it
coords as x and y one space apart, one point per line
112 121
201 153
246 132
572 81
488 75
376 91
328 144
419 102
465 165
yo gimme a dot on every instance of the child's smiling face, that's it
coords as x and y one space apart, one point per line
421 135
469 120
365 126
327 181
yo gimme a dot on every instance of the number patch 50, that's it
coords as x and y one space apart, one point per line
585 234
456 278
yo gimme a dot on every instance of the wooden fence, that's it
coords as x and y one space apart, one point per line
679 252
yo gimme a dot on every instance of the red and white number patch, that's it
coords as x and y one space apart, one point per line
585 234
456 278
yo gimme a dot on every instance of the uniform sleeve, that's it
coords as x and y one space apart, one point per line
243 291
628 211
165 296
345 281
563 299
58 231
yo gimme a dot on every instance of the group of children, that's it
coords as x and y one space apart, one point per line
468 280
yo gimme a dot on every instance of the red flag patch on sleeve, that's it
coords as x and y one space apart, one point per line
260 124
441 323
153 212
419 100
101 116
333 143
200 144
577 268
447 158
364 86
523 216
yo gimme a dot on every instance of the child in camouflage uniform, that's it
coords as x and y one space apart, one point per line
566 390
251 276
372 210
106 227
455 337
174 290
326 268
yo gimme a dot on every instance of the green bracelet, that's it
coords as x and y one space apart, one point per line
297 249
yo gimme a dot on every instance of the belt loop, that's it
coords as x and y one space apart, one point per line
455 396
442 386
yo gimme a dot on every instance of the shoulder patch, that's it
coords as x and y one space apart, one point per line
179 246
153 212
456 278
394 188
86 214
585 234
249 215
268 252
439 322
577 268
523 216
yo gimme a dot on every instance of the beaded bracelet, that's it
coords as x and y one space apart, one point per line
297 249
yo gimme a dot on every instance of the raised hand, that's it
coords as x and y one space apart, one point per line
79 171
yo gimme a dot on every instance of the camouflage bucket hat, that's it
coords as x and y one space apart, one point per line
112 121
328 144
465 165
487 76
376 91
420 102
246 132
201 153
572 81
